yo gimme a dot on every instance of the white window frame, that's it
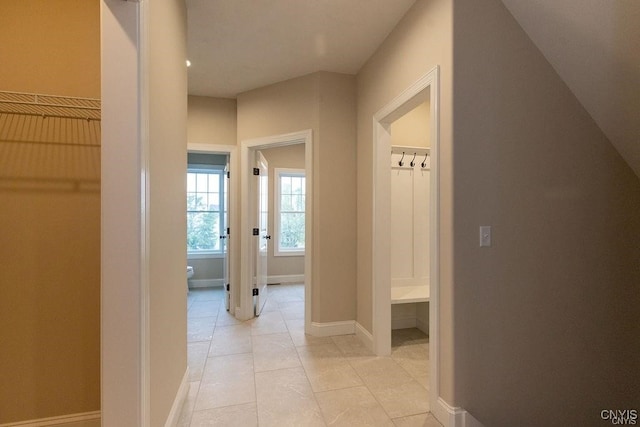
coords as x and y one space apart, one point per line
277 173
210 253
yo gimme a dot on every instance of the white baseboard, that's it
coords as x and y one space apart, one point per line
365 336
286 278
329 329
84 419
181 395
205 283
448 415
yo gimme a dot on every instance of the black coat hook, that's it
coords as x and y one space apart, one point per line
413 163
424 162
401 163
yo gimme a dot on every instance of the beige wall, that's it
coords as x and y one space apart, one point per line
206 268
50 47
548 319
291 106
50 239
285 107
212 120
420 41
335 185
291 156
324 103
413 128
167 218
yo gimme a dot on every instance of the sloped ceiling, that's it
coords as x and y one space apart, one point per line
238 45
594 45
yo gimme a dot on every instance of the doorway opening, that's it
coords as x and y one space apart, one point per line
210 249
406 207
277 231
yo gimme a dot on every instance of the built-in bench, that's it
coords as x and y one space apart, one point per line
409 294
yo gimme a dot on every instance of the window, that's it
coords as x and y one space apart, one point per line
289 212
206 210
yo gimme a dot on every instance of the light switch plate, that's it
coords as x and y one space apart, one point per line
485 236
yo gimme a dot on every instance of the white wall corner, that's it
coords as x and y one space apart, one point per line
329 329
450 416
241 315
178 402
365 336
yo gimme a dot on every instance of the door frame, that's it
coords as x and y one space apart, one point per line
233 250
260 265
248 147
426 87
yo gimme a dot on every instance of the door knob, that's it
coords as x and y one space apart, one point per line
266 237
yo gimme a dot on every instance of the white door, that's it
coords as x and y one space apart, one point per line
226 238
262 238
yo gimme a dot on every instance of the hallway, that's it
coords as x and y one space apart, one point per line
267 372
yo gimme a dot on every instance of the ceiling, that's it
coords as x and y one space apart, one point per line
263 42
594 45
239 45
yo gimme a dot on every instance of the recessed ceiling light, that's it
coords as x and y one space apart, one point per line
188 63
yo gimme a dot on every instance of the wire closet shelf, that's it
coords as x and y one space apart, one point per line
49 143
64 107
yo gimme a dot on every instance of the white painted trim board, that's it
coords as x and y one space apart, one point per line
178 402
125 385
61 421
365 336
330 329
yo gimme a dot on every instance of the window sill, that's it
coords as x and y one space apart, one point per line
288 253
205 255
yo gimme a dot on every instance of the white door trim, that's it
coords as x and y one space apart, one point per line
247 147
234 249
402 104
124 288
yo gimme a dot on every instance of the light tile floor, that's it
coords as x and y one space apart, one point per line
267 372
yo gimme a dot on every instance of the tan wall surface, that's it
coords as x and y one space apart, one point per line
420 41
281 108
50 238
50 47
323 102
335 215
167 218
291 156
548 319
212 120
413 128
292 106
206 268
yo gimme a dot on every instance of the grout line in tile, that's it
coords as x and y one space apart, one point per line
343 354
